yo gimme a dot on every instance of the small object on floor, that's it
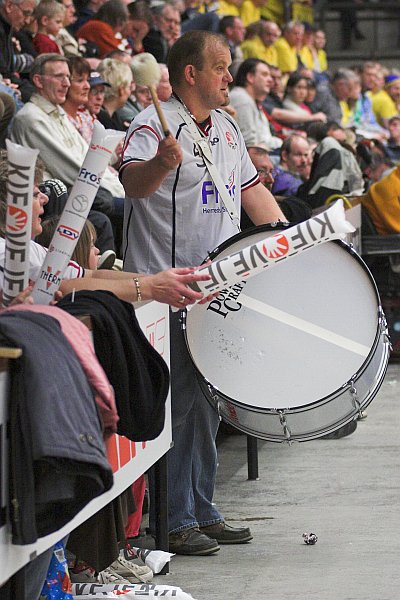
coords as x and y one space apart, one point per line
192 542
310 539
343 431
107 260
126 567
111 576
226 534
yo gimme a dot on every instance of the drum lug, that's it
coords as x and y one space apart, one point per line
354 398
286 429
215 399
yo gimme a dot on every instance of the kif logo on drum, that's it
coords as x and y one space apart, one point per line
68 232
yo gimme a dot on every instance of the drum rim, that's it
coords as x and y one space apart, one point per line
326 399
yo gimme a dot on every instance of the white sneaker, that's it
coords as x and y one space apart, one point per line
109 575
126 567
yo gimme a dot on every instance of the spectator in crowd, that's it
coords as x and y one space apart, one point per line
77 97
252 84
7 111
164 89
93 104
374 161
250 11
165 31
119 77
369 76
262 44
198 67
334 170
312 53
104 29
43 124
49 15
195 16
66 41
233 30
284 120
295 96
86 10
393 143
288 46
260 158
138 25
13 16
329 95
387 103
274 10
294 167
357 112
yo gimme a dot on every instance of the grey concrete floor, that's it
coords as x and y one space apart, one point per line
346 491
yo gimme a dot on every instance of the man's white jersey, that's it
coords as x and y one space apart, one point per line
185 218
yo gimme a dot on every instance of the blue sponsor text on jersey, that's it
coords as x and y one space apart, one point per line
209 193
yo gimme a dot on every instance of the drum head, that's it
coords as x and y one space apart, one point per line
293 334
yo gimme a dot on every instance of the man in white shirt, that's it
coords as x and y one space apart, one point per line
252 84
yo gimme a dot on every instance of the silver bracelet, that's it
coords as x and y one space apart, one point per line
138 292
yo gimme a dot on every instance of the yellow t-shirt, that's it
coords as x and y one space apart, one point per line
255 48
303 13
249 13
226 8
274 10
307 59
287 56
347 113
383 106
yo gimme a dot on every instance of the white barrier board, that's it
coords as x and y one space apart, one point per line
128 459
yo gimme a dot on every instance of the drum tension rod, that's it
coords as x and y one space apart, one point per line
286 429
356 403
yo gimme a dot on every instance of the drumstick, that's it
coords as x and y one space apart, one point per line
146 72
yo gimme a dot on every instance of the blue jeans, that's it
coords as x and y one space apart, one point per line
192 462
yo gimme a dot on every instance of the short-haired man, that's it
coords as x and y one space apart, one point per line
14 15
173 213
294 167
329 95
262 46
43 124
289 45
232 28
252 84
387 104
165 31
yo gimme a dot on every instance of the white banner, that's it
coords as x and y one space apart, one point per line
20 181
75 213
92 591
225 272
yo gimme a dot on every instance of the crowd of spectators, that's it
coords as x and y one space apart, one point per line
310 132
282 82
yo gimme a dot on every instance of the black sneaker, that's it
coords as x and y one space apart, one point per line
343 431
192 542
226 534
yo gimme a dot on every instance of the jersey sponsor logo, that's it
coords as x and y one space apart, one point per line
68 232
17 218
80 203
210 197
214 140
89 177
230 140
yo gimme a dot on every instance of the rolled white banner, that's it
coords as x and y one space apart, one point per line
75 213
238 266
20 181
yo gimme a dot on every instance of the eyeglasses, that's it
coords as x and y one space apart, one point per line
266 172
26 13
